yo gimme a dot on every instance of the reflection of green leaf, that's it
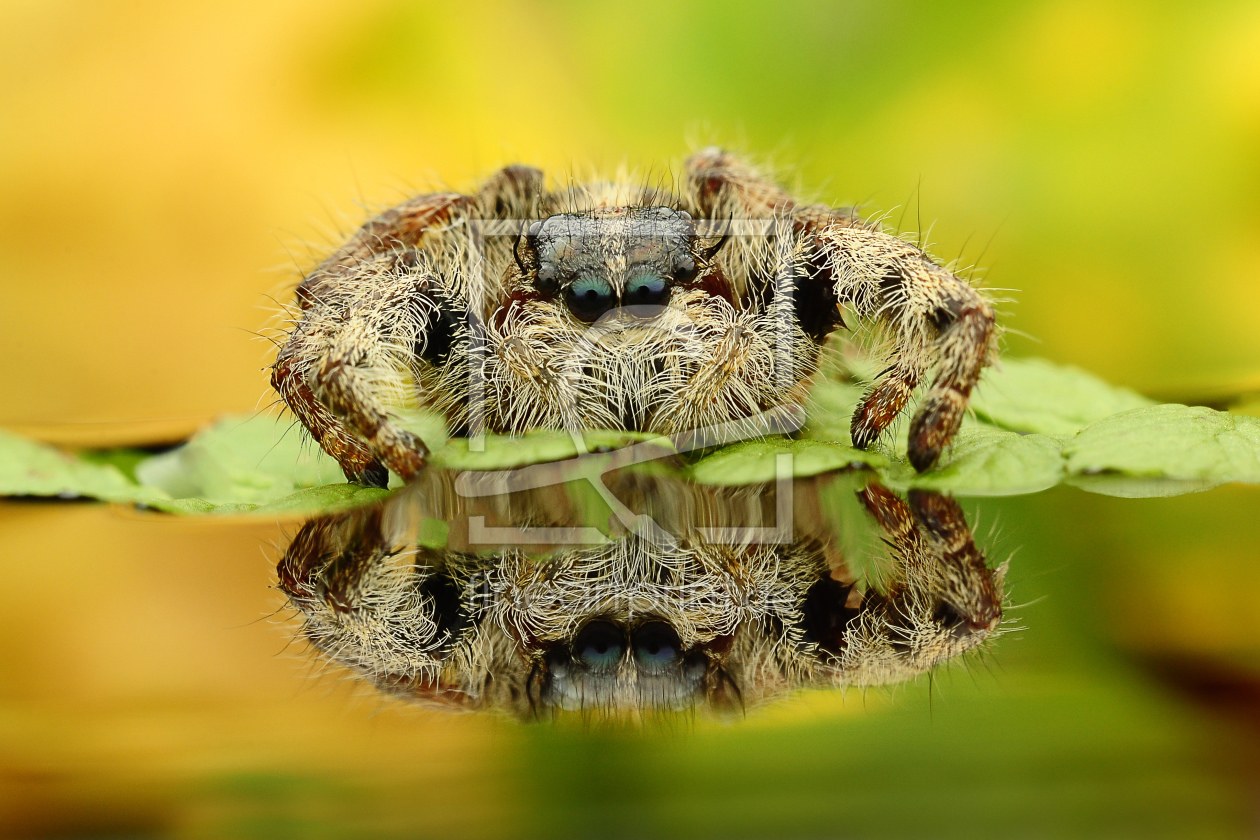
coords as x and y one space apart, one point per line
1130 487
983 461
311 500
1033 395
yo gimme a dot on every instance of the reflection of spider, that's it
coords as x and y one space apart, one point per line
604 305
637 623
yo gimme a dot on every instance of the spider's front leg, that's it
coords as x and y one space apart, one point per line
385 245
343 362
365 314
936 318
289 378
337 365
404 322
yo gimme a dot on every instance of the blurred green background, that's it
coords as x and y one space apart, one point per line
164 167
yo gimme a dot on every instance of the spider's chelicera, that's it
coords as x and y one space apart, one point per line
617 305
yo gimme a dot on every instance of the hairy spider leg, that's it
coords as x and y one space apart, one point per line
941 600
936 317
329 367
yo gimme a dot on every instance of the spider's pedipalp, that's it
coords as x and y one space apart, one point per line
289 378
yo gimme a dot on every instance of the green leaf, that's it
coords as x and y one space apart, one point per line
241 461
1195 446
126 460
756 461
1033 395
830 409
986 461
1036 425
503 452
28 468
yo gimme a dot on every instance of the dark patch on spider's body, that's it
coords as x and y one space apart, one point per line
451 614
814 301
445 326
824 616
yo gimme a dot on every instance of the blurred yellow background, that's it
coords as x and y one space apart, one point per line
166 167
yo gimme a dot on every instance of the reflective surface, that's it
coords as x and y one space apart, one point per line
152 688
624 590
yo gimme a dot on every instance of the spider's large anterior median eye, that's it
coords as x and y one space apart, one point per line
656 647
589 297
646 290
599 646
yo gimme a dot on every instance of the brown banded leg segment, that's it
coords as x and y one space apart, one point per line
968 585
329 557
369 351
306 557
399 230
935 318
883 404
964 347
348 388
320 372
898 524
356 460
719 185
942 599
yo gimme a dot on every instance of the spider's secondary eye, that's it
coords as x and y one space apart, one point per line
646 289
685 270
599 646
589 297
656 647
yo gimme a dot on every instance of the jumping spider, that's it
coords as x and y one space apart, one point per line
616 305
